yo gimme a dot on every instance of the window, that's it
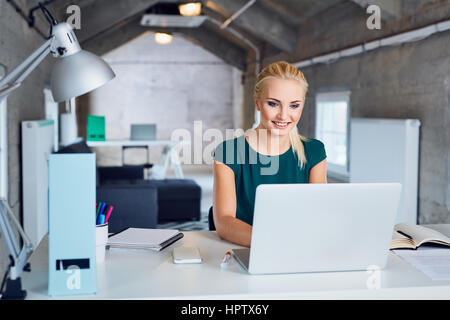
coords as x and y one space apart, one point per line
332 123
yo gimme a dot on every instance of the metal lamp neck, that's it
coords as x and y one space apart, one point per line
65 42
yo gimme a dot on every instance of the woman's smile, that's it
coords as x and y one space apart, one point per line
281 125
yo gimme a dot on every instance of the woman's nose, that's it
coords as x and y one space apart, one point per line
283 114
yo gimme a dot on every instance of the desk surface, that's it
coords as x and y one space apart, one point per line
145 274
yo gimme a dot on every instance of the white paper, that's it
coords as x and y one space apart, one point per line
435 263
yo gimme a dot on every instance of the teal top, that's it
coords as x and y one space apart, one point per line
252 169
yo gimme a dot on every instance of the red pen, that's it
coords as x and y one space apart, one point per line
226 259
110 209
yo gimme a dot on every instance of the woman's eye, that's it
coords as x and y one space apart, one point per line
295 106
272 104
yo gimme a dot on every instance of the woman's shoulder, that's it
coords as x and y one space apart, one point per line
314 151
229 152
313 144
229 146
230 143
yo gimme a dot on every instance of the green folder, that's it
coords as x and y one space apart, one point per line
96 128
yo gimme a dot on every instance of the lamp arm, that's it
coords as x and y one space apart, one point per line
8 84
25 68
18 257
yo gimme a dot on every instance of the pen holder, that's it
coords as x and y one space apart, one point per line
101 238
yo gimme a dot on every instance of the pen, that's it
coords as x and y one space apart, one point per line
102 208
110 209
100 213
226 259
99 205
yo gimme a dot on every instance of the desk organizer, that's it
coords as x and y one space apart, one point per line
72 264
96 128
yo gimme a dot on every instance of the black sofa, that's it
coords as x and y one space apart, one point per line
134 205
178 199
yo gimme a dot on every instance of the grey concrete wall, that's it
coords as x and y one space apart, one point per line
170 85
448 149
27 103
409 81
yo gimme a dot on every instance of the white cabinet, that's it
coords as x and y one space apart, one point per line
387 150
37 145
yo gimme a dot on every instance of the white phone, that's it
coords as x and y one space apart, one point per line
186 255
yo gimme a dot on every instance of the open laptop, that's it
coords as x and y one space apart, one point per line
321 227
143 132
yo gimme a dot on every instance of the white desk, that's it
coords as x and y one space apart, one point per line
168 158
140 274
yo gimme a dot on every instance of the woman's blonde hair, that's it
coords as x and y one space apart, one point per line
285 70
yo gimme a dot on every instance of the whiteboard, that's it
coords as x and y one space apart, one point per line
387 150
37 145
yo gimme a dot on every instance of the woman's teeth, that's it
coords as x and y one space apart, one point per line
281 124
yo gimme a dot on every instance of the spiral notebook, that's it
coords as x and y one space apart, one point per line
136 238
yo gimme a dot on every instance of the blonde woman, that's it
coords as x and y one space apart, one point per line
272 153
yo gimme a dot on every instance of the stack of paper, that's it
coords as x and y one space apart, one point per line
153 239
435 263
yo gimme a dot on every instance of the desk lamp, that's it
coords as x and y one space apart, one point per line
74 73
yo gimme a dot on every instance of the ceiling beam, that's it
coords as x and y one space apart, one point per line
261 22
390 9
114 37
98 16
130 29
218 45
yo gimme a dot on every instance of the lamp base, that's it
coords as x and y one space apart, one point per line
14 290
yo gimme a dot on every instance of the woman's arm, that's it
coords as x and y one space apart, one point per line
228 227
318 173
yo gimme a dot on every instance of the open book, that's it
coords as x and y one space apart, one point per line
408 236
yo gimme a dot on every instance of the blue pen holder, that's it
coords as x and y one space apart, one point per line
72 236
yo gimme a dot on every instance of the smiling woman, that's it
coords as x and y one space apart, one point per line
263 156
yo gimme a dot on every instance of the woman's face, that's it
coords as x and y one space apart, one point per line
281 105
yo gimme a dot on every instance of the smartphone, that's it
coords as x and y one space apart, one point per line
186 255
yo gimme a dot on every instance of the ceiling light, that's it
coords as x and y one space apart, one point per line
190 9
163 38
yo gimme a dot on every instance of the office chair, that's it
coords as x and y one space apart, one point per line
212 226
144 132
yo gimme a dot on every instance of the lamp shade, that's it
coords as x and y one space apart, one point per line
77 74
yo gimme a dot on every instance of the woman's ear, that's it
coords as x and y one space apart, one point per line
256 103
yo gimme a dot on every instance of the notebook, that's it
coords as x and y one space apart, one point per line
136 238
408 236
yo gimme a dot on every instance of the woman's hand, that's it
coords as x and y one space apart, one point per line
228 227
